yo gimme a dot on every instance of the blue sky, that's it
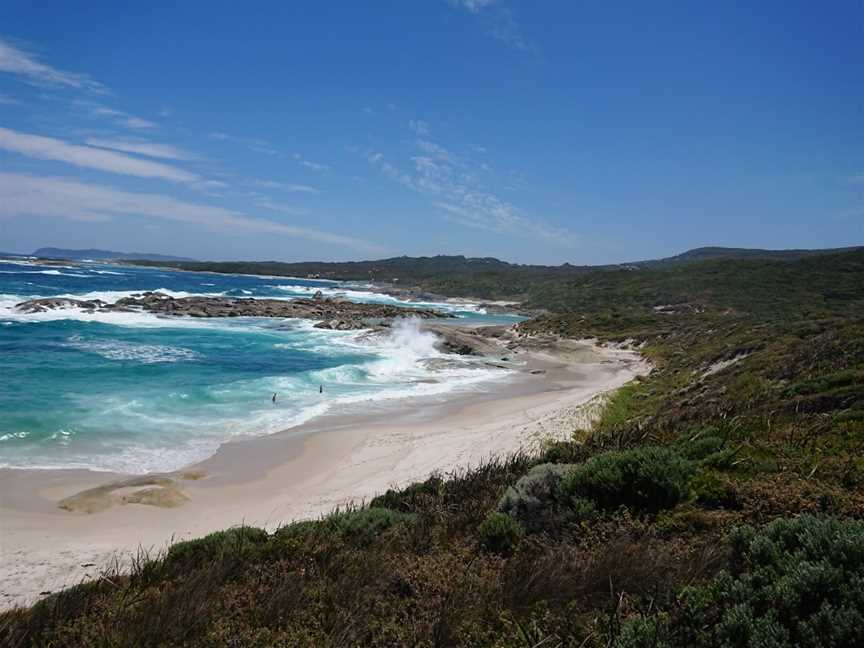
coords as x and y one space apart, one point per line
585 132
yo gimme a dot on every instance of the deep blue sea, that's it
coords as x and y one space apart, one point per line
135 392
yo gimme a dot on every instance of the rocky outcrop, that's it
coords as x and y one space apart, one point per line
55 303
337 314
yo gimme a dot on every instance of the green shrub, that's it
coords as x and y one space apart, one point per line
710 451
238 542
684 519
407 499
849 416
702 447
535 500
358 527
361 527
646 479
500 533
795 582
642 632
710 489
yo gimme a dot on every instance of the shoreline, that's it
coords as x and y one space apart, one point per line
300 473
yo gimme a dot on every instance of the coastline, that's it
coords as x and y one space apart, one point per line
304 472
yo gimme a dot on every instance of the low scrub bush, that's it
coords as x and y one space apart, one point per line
536 501
795 582
412 497
710 489
363 526
702 447
684 519
357 527
850 416
647 479
500 533
710 451
239 542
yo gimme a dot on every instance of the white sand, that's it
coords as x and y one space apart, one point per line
301 473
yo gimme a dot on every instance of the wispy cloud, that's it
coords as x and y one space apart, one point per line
279 207
137 122
49 148
252 143
474 6
453 182
24 195
284 186
119 117
420 128
7 99
142 147
498 21
315 166
27 66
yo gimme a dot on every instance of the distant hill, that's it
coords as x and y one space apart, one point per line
102 255
713 253
443 269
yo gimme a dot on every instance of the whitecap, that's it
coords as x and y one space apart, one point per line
127 351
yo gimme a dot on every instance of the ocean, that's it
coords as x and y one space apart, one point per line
136 392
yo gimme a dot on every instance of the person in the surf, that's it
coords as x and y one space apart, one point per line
274 397
320 389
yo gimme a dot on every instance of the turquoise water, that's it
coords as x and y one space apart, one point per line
134 392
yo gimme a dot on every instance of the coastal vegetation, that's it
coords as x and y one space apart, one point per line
717 501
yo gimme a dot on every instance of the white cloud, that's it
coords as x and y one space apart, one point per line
462 198
25 195
315 166
23 64
142 147
253 144
474 6
498 21
49 148
118 116
137 122
435 150
279 207
291 188
421 128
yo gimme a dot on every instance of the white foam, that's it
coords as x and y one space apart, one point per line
139 319
127 351
53 273
372 297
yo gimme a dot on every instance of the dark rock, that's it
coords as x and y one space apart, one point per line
334 314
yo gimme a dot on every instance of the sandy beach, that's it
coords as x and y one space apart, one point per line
59 527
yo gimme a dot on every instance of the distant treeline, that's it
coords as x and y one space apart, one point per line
703 278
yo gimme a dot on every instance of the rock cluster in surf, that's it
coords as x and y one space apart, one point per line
336 314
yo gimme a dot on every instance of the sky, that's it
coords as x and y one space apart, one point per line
537 132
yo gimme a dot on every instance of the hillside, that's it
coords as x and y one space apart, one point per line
705 253
717 502
486 278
